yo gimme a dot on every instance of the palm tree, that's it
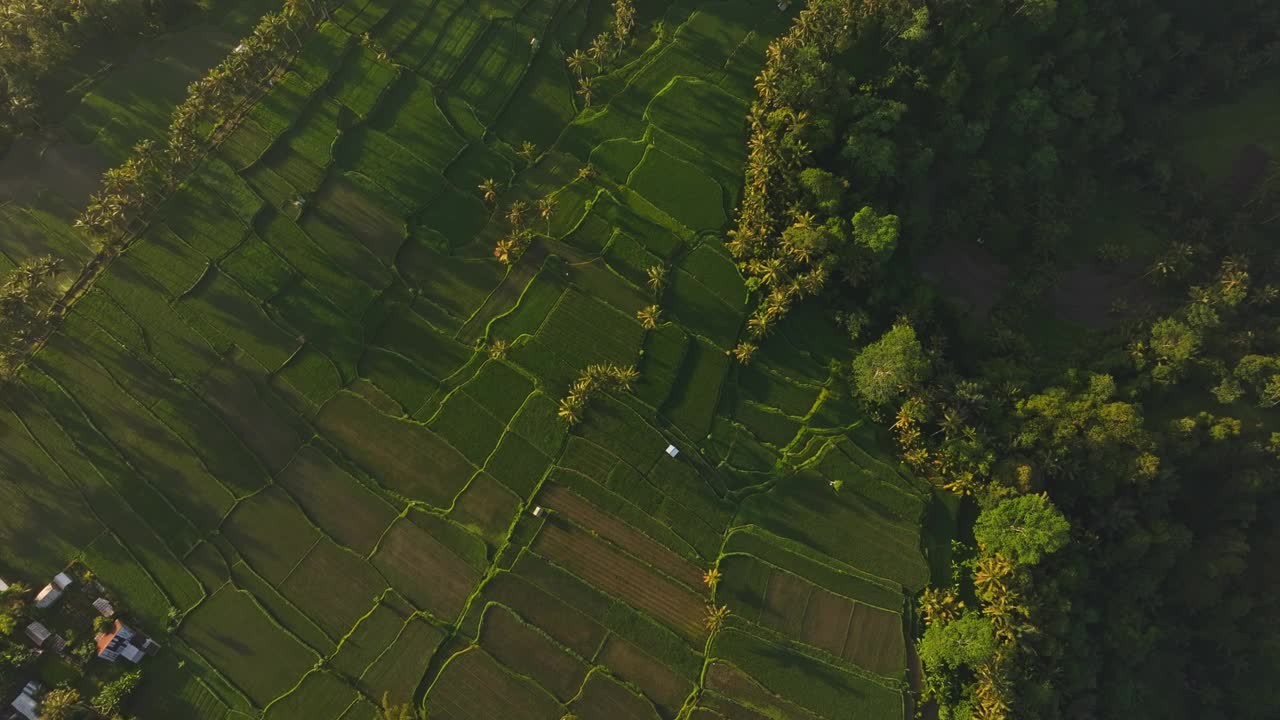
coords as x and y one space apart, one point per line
711 578
515 214
649 316
656 277
498 349
505 250
577 62
715 617
587 172
528 151
570 410
743 351
61 704
940 605
624 375
546 207
584 89
759 325
990 575
599 49
490 189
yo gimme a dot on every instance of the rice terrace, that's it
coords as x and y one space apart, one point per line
305 426
562 359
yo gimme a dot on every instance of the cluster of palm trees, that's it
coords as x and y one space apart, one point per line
785 267
26 294
997 582
604 49
595 377
941 443
512 246
154 169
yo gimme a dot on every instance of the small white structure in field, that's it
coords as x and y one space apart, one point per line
533 44
38 633
672 450
25 704
61 581
47 596
4 586
103 606
538 511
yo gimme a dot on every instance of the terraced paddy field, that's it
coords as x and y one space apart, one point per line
278 426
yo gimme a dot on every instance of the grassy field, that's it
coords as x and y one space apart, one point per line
283 427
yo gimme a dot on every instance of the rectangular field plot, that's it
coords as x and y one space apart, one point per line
321 696
702 311
399 669
568 504
458 285
429 573
486 506
403 456
622 577
271 533
347 511
409 335
604 697
356 207
404 176
237 391
410 116
539 296
517 464
696 393
361 80
580 331
842 526
680 189
663 687
239 317
232 633
468 426
500 389
732 692
565 624
531 652
811 565
368 640
334 587
474 686
706 117
870 637
493 70
824 689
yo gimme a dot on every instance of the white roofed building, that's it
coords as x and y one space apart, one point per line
26 704
47 596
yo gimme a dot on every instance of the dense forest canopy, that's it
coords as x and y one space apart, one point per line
1120 564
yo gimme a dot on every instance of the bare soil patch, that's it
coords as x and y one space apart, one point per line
666 689
622 577
967 274
574 507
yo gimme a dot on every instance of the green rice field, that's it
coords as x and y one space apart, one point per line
275 425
